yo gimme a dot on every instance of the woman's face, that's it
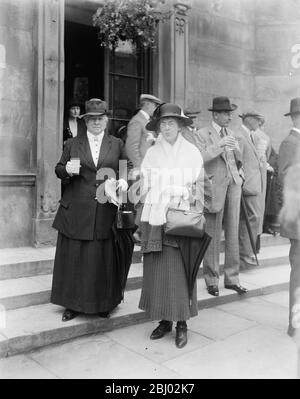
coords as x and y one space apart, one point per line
96 124
169 128
74 112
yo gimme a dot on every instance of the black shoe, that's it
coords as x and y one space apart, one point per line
105 315
213 290
181 335
238 288
69 315
164 327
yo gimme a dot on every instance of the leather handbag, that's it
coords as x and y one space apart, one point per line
185 223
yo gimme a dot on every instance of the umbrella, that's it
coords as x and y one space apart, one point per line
246 216
192 251
123 248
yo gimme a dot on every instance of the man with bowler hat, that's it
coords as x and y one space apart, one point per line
289 156
222 160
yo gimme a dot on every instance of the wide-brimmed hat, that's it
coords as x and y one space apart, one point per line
252 113
150 97
168 110
95 107
73 103
221 104
294 107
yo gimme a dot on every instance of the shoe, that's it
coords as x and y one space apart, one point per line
164 327
105 315
238 288
213 290
181 335
248 260
291 332
69 315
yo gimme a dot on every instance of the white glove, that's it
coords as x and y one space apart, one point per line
122 185
71 169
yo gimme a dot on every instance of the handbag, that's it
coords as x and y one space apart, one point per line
125 219
185 223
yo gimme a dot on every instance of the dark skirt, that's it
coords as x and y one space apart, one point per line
164 293
85 275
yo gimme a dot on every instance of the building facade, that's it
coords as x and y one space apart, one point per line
245 49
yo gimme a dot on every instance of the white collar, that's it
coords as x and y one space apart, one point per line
147 116
217 127
296 130
92 136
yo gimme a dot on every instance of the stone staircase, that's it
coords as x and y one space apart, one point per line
32 322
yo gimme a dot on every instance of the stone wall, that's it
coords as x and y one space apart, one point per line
277 78
222 54
17 122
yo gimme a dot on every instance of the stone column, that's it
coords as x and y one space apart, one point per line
50 79
173 56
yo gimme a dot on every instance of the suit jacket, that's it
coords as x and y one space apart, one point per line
289 155
215 164
136 142
253 171
79 213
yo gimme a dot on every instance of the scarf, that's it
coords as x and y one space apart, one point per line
168 173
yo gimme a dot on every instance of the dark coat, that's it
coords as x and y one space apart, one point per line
79 213
67 134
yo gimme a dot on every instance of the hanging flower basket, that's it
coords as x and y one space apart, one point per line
133 20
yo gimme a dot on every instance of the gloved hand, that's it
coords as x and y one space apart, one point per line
122 185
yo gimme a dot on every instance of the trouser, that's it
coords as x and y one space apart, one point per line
294 277
253 205
231 214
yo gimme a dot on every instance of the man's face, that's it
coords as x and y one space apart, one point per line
252 123
96 124
223 118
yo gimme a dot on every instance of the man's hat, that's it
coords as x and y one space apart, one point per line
95 107
252 113
222 104
191 112
294 107
167 110
149 97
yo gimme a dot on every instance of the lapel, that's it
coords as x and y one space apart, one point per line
104 150
85 151
249 141
215 137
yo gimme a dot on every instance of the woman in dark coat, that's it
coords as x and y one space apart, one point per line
73 125
86 277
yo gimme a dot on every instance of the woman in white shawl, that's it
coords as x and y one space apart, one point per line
171 171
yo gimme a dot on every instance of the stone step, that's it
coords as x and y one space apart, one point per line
35 290
34 327
28 261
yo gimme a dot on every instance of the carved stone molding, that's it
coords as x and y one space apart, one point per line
17 180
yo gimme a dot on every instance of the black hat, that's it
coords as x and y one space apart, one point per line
221 104
167 110
94 107
73 103
192 113
294 107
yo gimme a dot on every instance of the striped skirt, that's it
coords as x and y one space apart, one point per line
164 293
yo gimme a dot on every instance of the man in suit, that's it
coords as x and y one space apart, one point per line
137 142
289 157
222 158
252 189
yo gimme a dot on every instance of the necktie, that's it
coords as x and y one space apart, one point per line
223 132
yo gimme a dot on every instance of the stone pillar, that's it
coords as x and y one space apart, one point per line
50 104
173 57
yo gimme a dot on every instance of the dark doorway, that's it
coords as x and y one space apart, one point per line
84 63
